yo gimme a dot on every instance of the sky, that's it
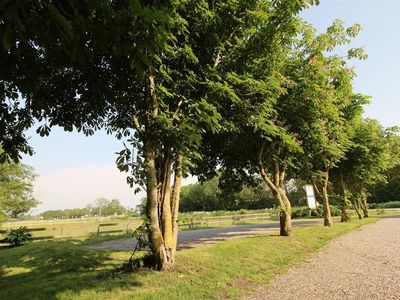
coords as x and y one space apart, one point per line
75 170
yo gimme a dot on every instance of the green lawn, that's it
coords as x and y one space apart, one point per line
66 269
73 228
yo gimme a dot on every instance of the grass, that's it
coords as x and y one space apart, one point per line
74 229
66 269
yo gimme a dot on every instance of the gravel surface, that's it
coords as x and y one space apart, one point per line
364 264
194 238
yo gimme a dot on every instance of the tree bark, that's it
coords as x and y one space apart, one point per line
325 198
345 204
158 161
364 204
285 216
357 207
176 194
162 259
274 185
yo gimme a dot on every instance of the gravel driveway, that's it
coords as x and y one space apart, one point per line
193 238
364 264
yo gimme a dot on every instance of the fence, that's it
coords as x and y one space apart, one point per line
90 228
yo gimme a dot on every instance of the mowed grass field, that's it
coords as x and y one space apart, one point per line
74 227
69 269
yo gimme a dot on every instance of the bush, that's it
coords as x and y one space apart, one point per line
380 211
18 236
303 212
391 204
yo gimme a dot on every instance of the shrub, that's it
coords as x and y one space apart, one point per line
18 236
303 212
380 211
391 204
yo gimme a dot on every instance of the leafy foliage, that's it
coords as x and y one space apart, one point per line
16 189
208 196
18 236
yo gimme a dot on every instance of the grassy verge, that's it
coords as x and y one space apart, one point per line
67 270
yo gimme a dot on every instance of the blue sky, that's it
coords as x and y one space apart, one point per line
75 170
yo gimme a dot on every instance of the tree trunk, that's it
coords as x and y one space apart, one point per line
364 204
162 259
158 160
327 210
275 186
357 207
176 194
345 204
285 216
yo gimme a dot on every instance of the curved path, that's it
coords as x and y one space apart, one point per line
193 238
364 264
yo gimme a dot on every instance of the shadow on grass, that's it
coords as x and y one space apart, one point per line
43 270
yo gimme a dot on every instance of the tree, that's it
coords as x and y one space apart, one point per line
154 72
323 81
16 189
101 204
363 166
290 123
390 188
114 207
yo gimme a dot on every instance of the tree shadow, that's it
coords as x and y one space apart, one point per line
44 270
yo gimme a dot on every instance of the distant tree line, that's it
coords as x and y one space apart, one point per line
211 196
102 207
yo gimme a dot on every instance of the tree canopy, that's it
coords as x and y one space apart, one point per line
16 189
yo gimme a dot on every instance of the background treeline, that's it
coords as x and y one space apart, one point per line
209 196
102 207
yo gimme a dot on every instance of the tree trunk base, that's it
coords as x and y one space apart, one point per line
286 224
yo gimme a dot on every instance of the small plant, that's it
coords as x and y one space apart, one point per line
18 236
380 211
142 244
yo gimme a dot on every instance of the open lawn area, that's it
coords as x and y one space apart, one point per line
67 269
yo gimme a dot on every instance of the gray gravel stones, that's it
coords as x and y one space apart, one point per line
364 264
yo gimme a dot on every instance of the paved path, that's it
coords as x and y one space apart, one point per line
364 264
193 238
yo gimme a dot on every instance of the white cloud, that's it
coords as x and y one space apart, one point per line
77 187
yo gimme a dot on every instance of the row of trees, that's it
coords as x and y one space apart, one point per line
102 207
245 87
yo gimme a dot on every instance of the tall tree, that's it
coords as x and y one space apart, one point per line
16 189
156 73
323 86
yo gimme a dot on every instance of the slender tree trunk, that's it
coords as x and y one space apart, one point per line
357 207
364 204
285 216
325 199
345 204
162 259
275 186
176 194
157 166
